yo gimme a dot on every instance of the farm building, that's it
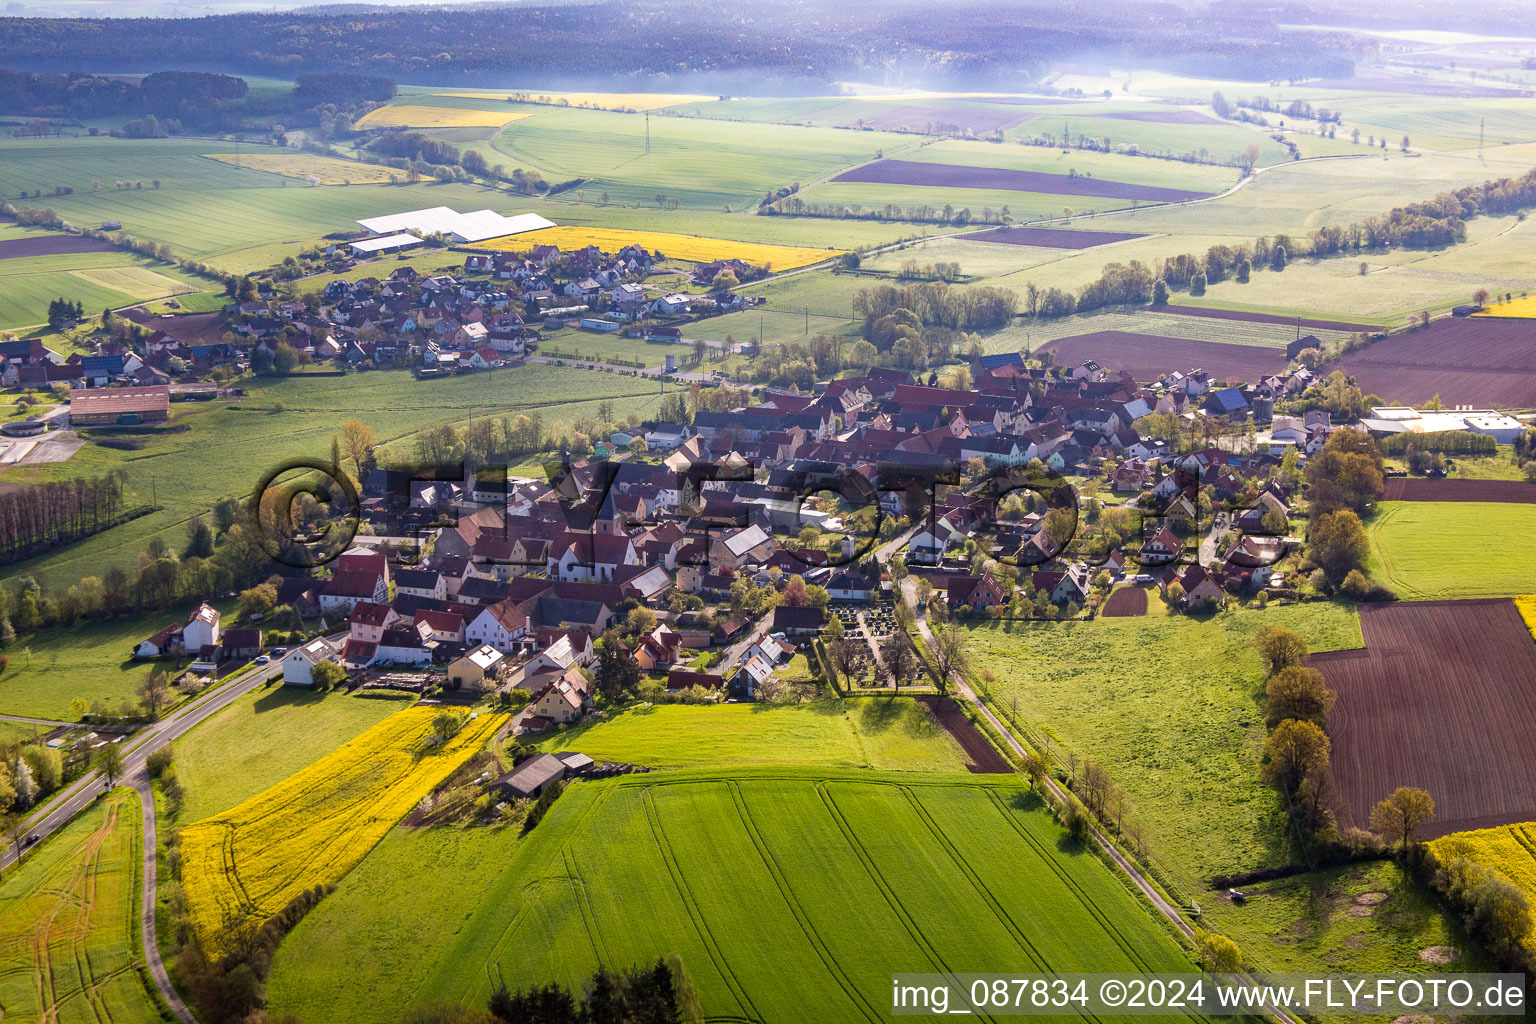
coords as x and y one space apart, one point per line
532 777
1402 419
151 404
387 243
458 227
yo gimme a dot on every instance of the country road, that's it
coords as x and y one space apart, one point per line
147 932
79 794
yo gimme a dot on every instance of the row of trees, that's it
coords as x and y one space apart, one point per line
58 512
890 313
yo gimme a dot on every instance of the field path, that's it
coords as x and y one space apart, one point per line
140 783
1153 896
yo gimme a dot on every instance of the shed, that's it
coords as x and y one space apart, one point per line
532 777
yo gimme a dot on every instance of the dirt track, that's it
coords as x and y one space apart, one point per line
1439 698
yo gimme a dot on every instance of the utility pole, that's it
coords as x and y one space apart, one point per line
647 131
807 319
1481 123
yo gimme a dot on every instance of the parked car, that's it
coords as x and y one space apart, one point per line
278 652
263 660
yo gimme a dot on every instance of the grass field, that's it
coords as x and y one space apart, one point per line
875 732
85 661
1510 850
823 877
400 115
249 438
1172 707
702 164
263 738
1433 550
316 825
1331 917
69 938
673 246
323 170
94 279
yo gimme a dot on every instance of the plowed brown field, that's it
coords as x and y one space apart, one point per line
1403 489
1439 698
1466 361
1149 356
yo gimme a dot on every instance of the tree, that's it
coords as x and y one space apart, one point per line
159 761
199 539
724 281
1037 767
257 601
617 672
1347 473
109 761
1222 955
154 692
1399 816
949 651
445 725
1279 647
1338 543
899 659
641 621
1297 693
1160 293
327 675
845 657
1295 750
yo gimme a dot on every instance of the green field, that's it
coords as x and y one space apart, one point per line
50 669
829 879
94 279
1437 550
264 737
1296 923
703 164
1173 709
69 933
874 732
244 440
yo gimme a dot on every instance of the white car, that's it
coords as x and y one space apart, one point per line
263 660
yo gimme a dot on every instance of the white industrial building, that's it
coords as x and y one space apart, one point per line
458 227
387 243
1394 419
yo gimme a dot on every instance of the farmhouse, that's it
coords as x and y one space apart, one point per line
120 406
484 662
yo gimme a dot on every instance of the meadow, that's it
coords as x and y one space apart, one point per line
52 668
262 739
316 825
246 439
621 101
820 876
1432 550
875 732
1172 707
674 246
69 933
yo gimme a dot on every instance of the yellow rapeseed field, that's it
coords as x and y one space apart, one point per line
406 116
1527 606
693 248
596 100
324 169
1524 308
1510 850
315 826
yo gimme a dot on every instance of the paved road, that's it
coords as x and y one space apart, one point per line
79 794
24 720
140 782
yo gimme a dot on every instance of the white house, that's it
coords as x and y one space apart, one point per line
501 625
299 663
201 629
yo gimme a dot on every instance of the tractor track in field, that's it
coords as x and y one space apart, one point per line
802 918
